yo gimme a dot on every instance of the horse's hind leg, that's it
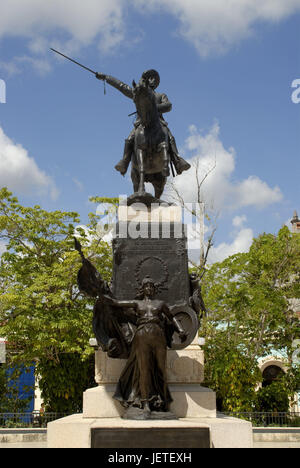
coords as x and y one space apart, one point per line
159 185
165 154
135 179
140 158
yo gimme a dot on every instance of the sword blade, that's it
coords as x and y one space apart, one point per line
74 61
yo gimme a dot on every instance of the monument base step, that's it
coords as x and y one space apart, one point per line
77 431
189 401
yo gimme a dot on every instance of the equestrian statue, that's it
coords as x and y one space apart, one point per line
151 148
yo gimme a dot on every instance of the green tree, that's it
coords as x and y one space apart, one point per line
250 315
273 398
231 374
74 375
42 314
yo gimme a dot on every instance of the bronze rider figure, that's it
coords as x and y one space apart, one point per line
163 104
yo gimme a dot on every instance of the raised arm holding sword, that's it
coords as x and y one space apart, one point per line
163 104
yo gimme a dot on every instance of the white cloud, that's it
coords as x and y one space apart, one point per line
213 26
254 191
238 221
81 22
220 190
242 240
16 64
78 184
241 243
19 172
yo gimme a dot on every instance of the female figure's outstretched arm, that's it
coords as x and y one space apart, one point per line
115 303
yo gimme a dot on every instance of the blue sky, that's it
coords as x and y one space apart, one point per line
227 67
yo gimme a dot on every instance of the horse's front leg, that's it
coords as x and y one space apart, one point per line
135 179
140 158
163 147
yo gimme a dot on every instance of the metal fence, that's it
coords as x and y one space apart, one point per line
40 419
33 419
270 419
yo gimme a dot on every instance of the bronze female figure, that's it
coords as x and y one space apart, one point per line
142 387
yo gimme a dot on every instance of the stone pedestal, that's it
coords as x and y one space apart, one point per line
159 249
188 401
194 405
185 366
185 372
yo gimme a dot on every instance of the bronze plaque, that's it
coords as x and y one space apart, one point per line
163 259
163 437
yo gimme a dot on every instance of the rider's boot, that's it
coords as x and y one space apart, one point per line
123 164
179 163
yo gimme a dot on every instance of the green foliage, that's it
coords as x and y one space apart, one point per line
42 314
106 213
113 202
232 375
273 398
63 384
250 316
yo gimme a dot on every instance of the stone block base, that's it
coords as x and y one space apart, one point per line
182 366
76 431
189 401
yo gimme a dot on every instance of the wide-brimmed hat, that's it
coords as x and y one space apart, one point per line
152 74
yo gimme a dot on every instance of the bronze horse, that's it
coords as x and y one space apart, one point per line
150 161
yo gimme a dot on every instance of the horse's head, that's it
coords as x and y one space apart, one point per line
145 101
142 86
